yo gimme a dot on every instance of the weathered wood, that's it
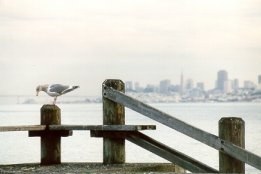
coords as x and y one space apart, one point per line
39 128
92 168
231 129
168 153
56 133
157 148
50 144
183 127
110 134
113 114
22 128
103 127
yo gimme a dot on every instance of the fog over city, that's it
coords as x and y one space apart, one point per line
85 42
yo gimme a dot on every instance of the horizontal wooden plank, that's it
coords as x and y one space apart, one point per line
110 134
52 133
183 127
22 128
103 127
77 127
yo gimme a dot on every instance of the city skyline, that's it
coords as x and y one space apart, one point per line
186 80
165 91
221 83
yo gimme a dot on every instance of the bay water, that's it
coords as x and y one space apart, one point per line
17 147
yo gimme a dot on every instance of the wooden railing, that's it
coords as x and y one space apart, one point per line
229 126
230 142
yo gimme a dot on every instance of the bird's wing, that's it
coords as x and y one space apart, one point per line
70 88
57 88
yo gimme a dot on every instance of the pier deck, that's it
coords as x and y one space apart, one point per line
91 168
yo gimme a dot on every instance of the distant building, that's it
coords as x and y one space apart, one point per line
150 88
174 88
189 84
137 87
249 84
164 86
259 82
201 86
235 84
222 77
228 86
181 87
129 86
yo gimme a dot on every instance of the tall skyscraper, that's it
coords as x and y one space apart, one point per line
222 77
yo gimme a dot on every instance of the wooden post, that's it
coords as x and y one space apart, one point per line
113 114
231 129
50 142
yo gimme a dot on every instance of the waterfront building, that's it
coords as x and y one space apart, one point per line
181 87
150 88
259 82
222 77
228 86
129 86
164 86
201 86
235 84
249 84
189 84
137 87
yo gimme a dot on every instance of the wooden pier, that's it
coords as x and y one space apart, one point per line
230 143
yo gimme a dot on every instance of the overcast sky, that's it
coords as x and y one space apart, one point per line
84 42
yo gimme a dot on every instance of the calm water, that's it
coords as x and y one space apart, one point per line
17 147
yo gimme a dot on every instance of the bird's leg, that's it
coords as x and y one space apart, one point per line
54 101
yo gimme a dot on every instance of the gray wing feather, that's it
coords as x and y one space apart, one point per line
68 90
58 88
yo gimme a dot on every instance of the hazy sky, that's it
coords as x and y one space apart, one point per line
84 42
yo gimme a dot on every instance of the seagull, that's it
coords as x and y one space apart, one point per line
55 90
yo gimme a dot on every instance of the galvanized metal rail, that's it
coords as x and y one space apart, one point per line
183 127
